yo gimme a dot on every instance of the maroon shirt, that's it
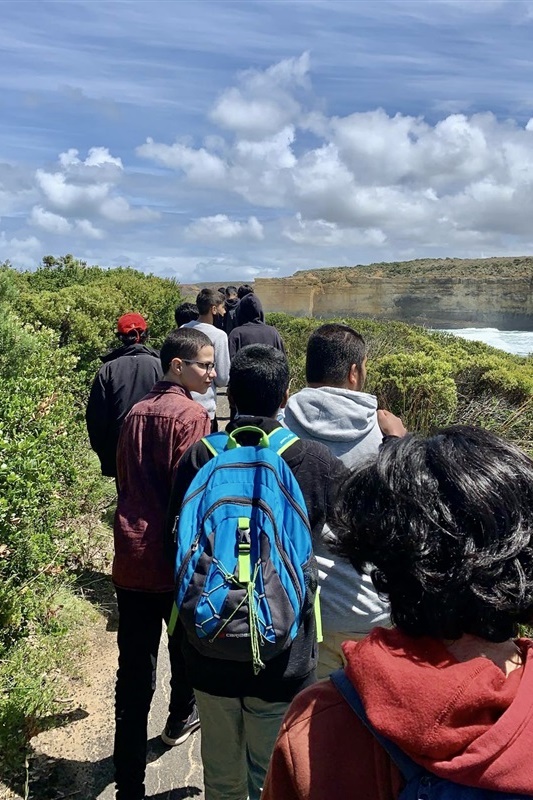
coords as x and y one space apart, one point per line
155 434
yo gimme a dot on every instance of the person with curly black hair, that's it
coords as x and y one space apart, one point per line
444 525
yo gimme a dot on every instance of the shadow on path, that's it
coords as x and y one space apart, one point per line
58 778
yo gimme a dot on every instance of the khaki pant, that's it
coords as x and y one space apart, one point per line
238 736
330 655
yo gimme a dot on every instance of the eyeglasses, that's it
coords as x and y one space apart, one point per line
206 366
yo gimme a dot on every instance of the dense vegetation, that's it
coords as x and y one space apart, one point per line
428 268
54 323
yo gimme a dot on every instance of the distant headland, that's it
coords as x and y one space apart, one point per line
440 293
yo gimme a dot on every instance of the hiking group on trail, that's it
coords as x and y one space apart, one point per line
343 598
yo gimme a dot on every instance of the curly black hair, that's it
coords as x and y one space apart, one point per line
444 524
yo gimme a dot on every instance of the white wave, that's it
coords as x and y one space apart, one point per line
519 343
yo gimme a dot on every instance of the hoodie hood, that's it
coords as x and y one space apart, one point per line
232 304
339 418
250 310
464 721
129 350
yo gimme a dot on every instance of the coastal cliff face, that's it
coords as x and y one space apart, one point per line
443 293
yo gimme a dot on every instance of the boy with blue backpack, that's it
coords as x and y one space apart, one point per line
248 505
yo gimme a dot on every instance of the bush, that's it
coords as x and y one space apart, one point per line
82 304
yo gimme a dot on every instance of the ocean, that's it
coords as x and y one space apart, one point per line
520 343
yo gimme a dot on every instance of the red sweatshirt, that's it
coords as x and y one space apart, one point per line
465 721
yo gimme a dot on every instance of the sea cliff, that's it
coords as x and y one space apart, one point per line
442 293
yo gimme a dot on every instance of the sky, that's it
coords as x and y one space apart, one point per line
221 140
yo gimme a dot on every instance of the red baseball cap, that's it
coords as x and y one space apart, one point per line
131 322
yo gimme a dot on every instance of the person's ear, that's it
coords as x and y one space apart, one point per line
285 399
354 377
176 365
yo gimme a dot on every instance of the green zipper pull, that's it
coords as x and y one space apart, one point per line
244 571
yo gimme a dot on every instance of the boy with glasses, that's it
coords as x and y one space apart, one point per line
155 434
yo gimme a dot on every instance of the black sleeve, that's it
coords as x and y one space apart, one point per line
96 414
233 345
190 463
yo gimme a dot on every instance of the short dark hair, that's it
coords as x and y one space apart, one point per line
446 525
207 298
258 380
186 312
182 343
244 289
331 351
222 289
134 337
231 290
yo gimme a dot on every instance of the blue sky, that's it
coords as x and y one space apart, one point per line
223 140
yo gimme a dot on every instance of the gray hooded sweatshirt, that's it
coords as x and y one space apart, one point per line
346 422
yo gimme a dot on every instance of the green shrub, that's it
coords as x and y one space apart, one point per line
81 304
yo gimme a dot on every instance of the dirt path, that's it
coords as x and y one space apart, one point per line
74 760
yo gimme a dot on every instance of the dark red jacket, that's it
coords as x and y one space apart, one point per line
464 721
155 434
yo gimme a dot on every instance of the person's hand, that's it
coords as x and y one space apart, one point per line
390 424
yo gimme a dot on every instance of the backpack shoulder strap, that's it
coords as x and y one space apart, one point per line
216 442
281 439
409 769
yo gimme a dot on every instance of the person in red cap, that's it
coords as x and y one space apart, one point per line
126 376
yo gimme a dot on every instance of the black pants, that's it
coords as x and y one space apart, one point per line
141 616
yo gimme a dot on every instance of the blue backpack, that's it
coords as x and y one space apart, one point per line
420 784
245 570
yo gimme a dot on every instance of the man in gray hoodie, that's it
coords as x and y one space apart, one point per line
334 410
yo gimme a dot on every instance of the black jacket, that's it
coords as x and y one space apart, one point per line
127 375
254 333
319 473
230 317
251 328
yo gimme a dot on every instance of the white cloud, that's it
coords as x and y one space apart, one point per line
65 196
52 223
117 209
372 179
85 187
21 252
321 233
86 228
263 104
96 157
200 167
221 226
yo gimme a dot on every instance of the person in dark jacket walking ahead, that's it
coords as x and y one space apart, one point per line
241 711
127 374
251 327
231 305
